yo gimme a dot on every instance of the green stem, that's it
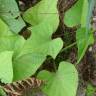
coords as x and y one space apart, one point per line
69 46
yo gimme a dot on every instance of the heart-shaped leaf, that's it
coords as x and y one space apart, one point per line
45 20
35 50
59 83
41 42
43 13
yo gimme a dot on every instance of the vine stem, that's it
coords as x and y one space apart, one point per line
69 46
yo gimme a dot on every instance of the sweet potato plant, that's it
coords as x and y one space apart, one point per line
50 40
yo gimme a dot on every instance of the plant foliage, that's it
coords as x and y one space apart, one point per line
21 58
10 13
60 83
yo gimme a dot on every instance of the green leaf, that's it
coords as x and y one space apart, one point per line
4 30
77 14
34 52
45 21
84 35
41 42
26 65
6 69
43 13
38 46
82 42
59 83
9 12
22 69
12 43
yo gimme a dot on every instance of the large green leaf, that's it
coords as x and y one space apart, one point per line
43 13
6 69
9 12
82 42
41 42
45 21
35 50
26 65
77 14
61 82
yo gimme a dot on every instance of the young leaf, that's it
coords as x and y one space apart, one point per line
61 82
77 14
6 69
9 12
43 13
82 43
